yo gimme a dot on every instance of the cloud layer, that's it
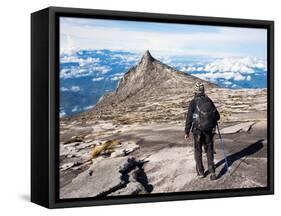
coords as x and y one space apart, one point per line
236 69
77 34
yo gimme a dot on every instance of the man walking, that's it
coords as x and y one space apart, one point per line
201 120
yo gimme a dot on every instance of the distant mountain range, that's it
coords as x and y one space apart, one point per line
86 75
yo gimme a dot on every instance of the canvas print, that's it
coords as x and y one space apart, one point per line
157 108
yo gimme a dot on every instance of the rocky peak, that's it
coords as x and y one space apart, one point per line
147 57
150 77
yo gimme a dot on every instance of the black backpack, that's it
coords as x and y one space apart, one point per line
206 114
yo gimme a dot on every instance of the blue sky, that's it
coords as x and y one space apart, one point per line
162 38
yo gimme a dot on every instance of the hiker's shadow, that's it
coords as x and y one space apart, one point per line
249 150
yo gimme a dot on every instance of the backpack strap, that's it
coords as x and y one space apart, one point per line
200 111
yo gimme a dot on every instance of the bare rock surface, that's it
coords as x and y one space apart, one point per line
102 176
170 169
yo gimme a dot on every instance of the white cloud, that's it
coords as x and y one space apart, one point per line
73 89
211 76
88 107
82 71
119 74
261 65
115 78
189 68
97 79
246 65
126 57
102 69
227 83
200 68
238 77
75 109
99 52
62 113
89 60
64 89
74 59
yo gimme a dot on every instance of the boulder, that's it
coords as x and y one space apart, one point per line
102 177
66 166
242 127
124 149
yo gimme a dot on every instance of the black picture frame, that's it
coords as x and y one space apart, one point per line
45 105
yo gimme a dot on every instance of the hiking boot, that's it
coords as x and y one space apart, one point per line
200 174
213 176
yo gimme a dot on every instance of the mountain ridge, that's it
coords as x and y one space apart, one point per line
149 77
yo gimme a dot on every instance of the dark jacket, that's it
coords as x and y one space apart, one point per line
191 111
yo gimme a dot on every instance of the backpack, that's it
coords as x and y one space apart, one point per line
206 117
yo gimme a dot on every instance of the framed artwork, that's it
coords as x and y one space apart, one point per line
139 107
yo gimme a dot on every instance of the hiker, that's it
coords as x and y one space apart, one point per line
201 120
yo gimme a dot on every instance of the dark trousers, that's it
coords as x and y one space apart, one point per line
203 138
